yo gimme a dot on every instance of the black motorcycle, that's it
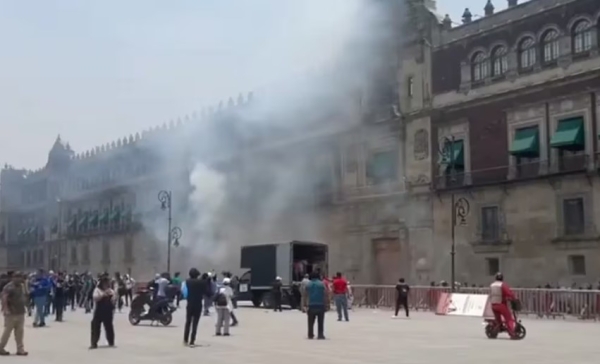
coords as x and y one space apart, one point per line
161 310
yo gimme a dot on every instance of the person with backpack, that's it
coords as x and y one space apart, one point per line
223 307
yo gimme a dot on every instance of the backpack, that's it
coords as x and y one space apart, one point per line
221 299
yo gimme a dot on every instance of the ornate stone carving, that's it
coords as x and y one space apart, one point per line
421 144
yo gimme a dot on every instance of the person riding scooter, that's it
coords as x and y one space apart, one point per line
500 295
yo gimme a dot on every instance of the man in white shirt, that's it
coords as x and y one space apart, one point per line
161 286
224 306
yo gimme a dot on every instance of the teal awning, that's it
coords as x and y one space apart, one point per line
454 154
526 143
94 219
115 216
104 217
569 135
83 220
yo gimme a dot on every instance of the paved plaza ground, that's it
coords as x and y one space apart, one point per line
265 337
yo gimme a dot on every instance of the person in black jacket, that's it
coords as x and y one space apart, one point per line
60 296
277 292
402 290
197 290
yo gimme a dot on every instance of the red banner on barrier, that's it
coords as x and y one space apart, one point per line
443 304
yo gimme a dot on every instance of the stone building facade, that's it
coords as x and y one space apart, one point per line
515 120
366 191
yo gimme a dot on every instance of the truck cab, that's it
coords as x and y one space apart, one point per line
290 261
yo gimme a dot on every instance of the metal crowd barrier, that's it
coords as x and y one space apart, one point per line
541 303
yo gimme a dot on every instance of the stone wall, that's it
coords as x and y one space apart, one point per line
532 249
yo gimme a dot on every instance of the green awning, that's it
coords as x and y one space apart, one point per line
83 220
21 232
569 135
454 154
115 216
104 217
73 223
526 143
94 219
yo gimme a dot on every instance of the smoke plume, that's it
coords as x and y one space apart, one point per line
253 170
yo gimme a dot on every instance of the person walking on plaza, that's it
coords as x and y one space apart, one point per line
194 290
234 284
60 296
223 307
40 290
213 288
14 301
305 281
129 284
340 296
176 282
402 291
105 299
316 303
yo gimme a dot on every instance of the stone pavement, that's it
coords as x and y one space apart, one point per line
371 337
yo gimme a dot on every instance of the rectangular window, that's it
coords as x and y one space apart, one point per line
573 216
490 231
382 167
410 86
453 160
493 266
577 265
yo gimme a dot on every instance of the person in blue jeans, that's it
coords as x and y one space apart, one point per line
316 303
40 289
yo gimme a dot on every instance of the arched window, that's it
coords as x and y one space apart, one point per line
582 36
527 53
550 46
479 66
499 61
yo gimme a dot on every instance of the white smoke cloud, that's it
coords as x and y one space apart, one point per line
207 201
234 193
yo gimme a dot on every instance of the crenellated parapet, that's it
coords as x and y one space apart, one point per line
122 144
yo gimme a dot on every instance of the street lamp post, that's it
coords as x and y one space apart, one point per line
59 233
173 233
460 208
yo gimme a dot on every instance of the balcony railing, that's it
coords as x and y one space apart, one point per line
374 190
522 171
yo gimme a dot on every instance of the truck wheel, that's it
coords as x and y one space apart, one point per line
267 301
257 300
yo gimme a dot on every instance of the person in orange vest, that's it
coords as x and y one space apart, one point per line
500 295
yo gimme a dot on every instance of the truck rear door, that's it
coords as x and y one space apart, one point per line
284 263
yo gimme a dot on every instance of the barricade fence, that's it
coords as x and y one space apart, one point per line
541 303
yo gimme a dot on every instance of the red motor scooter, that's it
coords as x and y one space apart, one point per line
493 328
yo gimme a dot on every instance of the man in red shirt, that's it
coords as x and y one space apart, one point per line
340 296
500 294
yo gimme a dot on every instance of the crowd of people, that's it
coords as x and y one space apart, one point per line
42 294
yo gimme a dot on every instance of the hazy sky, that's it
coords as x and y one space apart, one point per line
93 71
